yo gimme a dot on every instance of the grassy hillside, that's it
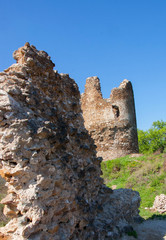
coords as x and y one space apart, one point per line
145 174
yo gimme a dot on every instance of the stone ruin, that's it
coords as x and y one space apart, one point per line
159 204
49 161
110 122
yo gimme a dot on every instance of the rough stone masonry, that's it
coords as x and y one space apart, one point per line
49 160
111 122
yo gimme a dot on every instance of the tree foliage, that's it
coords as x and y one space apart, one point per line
153 139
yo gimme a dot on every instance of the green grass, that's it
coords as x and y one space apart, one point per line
3 191
145 174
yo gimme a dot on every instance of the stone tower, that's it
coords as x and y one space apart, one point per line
111 122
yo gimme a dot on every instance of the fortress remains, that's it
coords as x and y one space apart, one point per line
110 122
49 160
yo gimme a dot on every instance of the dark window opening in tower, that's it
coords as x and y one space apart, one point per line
116 111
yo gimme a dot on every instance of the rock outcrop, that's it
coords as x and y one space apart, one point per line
49 160
111 122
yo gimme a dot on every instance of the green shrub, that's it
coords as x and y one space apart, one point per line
153 139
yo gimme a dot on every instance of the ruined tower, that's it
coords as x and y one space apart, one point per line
111 122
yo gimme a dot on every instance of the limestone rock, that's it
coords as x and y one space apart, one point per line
49 160
111 122
159 204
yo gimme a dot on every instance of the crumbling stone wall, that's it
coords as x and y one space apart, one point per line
49 160
111 122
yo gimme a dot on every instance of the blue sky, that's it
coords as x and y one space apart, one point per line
111 39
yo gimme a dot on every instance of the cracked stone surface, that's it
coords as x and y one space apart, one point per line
49 161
